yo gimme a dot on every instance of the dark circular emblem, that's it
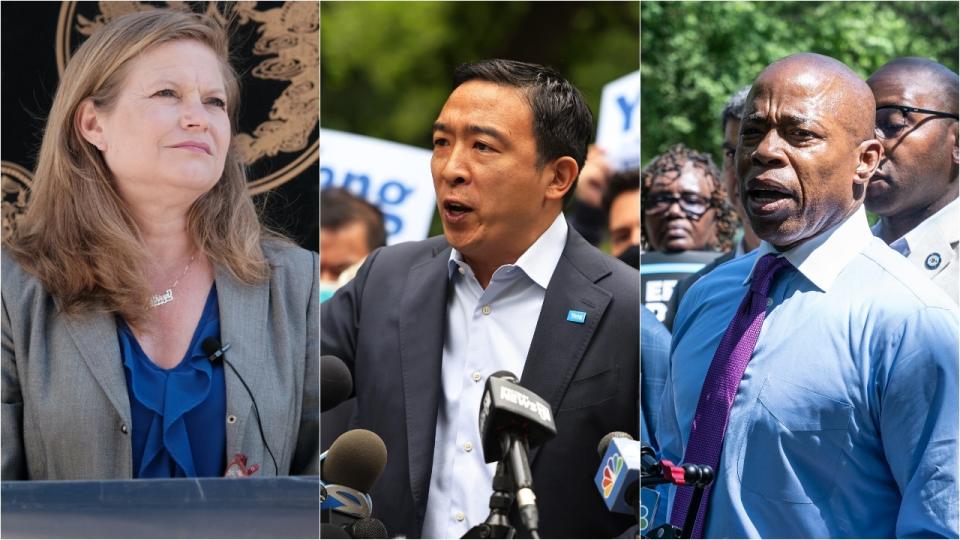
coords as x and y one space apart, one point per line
933 261
279 133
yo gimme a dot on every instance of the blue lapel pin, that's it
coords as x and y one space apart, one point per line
575 316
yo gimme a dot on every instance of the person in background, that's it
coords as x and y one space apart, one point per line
621 203
141 243
684 204
817 374
350 228
687 222
586 213
915 189
730 123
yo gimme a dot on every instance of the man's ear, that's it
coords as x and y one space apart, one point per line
954 140
563 172
871 152
88 121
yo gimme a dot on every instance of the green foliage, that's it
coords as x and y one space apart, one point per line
386 66
695 55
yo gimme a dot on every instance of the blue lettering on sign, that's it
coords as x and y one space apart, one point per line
627 108
393 192
396 191
352 179
326 177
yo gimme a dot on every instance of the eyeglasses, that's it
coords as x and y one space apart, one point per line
693 205
893 120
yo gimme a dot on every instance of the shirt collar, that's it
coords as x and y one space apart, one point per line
946 221
822 258
539 260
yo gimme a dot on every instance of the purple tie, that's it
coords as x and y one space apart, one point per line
720 386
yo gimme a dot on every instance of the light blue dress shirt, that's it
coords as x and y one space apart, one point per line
845 421
487 330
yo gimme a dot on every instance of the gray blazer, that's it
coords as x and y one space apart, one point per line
66 412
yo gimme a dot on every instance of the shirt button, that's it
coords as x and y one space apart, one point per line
769 302
459 516
123 428
475 376
486 310
461 270
231 419
468 447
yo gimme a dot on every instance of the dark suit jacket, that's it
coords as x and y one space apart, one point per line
388 326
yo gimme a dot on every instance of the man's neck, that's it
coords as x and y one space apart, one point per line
895 227
485 264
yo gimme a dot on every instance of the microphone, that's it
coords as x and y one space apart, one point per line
336 383
348 470
619 472
215 353
513 420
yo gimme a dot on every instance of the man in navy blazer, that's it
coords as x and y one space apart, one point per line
508 286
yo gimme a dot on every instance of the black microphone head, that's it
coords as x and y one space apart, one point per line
608 438
329 530
210 347
368 528
356 460
504 374
336 383
508 408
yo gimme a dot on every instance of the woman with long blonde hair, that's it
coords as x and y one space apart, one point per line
139 261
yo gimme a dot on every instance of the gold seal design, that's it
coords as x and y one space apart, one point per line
289 37
16 183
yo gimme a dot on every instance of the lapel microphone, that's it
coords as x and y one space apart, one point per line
215 353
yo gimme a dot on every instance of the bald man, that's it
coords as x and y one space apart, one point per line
840 419
915 189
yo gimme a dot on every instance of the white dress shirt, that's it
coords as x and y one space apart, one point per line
486 331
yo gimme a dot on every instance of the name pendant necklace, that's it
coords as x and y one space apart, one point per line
167 296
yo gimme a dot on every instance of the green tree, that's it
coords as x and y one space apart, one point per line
696 54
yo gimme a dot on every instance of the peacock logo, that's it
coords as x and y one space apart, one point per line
610 473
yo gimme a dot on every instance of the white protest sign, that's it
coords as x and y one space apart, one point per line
618 127
395 177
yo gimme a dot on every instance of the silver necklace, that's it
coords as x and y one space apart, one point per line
167 295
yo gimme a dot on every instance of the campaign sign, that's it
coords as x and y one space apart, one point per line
618 125
395 177
660 273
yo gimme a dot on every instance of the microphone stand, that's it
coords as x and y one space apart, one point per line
700 477
497 524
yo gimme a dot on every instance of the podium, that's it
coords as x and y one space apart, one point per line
276 507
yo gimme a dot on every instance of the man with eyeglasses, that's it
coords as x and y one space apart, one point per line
817 374
915 189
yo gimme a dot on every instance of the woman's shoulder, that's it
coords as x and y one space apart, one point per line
290 260
17 282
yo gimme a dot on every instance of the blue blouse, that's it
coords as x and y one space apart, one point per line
178 414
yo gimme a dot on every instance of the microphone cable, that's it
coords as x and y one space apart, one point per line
211 346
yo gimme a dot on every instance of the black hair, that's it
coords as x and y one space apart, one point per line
339 207
734 107
562 122
673 161
618 184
